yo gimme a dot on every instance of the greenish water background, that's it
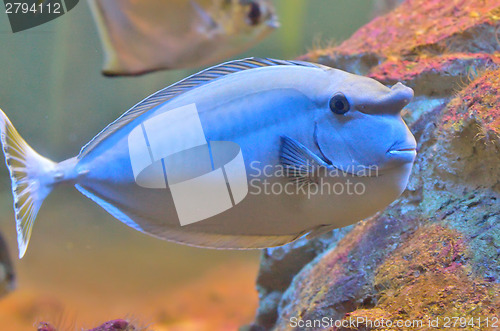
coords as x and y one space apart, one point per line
53 92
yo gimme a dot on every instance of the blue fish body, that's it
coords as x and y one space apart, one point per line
249 154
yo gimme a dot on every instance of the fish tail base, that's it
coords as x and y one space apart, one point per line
31 177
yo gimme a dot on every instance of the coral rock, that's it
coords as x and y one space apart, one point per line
416 28
434 254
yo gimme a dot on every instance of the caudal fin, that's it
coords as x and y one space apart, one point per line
30 176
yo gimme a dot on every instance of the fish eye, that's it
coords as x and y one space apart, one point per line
339 104
254 14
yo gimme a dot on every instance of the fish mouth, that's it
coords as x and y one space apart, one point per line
401 155
403 150
409 152
408 149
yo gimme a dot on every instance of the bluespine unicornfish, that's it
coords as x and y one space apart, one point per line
140 36
251 153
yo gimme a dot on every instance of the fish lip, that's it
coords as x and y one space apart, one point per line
401 146
406 149
403 151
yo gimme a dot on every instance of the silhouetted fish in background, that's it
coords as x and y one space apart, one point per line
140 36
7 278
163 163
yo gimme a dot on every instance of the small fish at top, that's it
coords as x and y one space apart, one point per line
251 153
141 36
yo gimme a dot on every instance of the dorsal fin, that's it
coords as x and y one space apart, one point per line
189 83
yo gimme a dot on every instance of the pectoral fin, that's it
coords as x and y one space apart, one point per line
301 165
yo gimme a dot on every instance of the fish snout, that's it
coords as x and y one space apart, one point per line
399 96
403 90
385 100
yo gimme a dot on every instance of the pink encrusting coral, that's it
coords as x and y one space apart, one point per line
114 325
479 102
451 65
418 26
426 278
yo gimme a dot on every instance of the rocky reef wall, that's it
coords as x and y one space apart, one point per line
434 254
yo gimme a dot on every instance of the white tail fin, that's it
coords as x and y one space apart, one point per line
31 179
